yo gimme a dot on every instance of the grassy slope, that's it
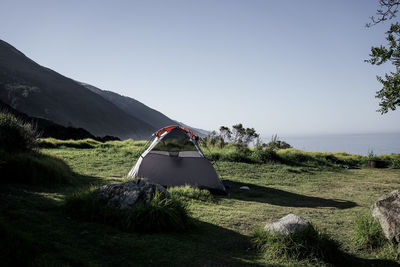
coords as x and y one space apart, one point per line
331 199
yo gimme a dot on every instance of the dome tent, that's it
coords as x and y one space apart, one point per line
174 158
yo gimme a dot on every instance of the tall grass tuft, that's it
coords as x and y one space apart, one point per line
368 233
188 193
16 135
390 251
158 215
308 244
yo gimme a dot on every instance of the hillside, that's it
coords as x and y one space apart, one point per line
133 107
47 128
44 93
137 109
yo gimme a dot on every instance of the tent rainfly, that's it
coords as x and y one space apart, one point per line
174 158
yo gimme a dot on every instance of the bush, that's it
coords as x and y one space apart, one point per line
262 155
368 233
275 143
15 135
189 192
33 169
159 215
395 163
308 244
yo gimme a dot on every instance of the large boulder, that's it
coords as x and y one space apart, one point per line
126 195
289 224
387 211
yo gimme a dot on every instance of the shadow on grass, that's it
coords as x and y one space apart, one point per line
35 231
345 259
39 171
354 261
32 225
282 198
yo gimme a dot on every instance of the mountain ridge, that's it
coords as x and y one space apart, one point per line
41 92
44 93
135 107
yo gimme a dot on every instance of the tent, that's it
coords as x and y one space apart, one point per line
175 158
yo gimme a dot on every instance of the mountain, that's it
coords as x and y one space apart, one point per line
47 128
41 92
135 108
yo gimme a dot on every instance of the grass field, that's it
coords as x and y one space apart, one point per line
331 197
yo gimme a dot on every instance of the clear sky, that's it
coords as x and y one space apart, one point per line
286 67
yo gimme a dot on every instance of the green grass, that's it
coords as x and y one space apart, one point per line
159 215
368 233
295 157
328 195
55 143
191 193
308 245
33 168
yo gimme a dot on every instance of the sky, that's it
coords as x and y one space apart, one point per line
284 67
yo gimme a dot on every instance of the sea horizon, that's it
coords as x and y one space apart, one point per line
352 143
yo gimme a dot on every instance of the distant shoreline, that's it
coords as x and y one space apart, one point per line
379 143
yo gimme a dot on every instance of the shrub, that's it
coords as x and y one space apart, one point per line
275 143
16 135
189 192
241 154
395 163
308 244
159 215
33 169
367 233
262 155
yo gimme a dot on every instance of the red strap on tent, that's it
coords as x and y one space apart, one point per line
169 128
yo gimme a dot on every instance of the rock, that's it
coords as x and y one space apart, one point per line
126 195
244 188
289 224
387 211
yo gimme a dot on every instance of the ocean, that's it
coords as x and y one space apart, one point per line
379 143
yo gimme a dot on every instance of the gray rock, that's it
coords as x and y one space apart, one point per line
244 188
387 211
289 224
126 195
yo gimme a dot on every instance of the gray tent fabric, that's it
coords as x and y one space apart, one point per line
177 168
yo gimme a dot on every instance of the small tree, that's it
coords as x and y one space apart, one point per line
389 95
275 143
238 135
213 138
225 132
390 92
241 135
